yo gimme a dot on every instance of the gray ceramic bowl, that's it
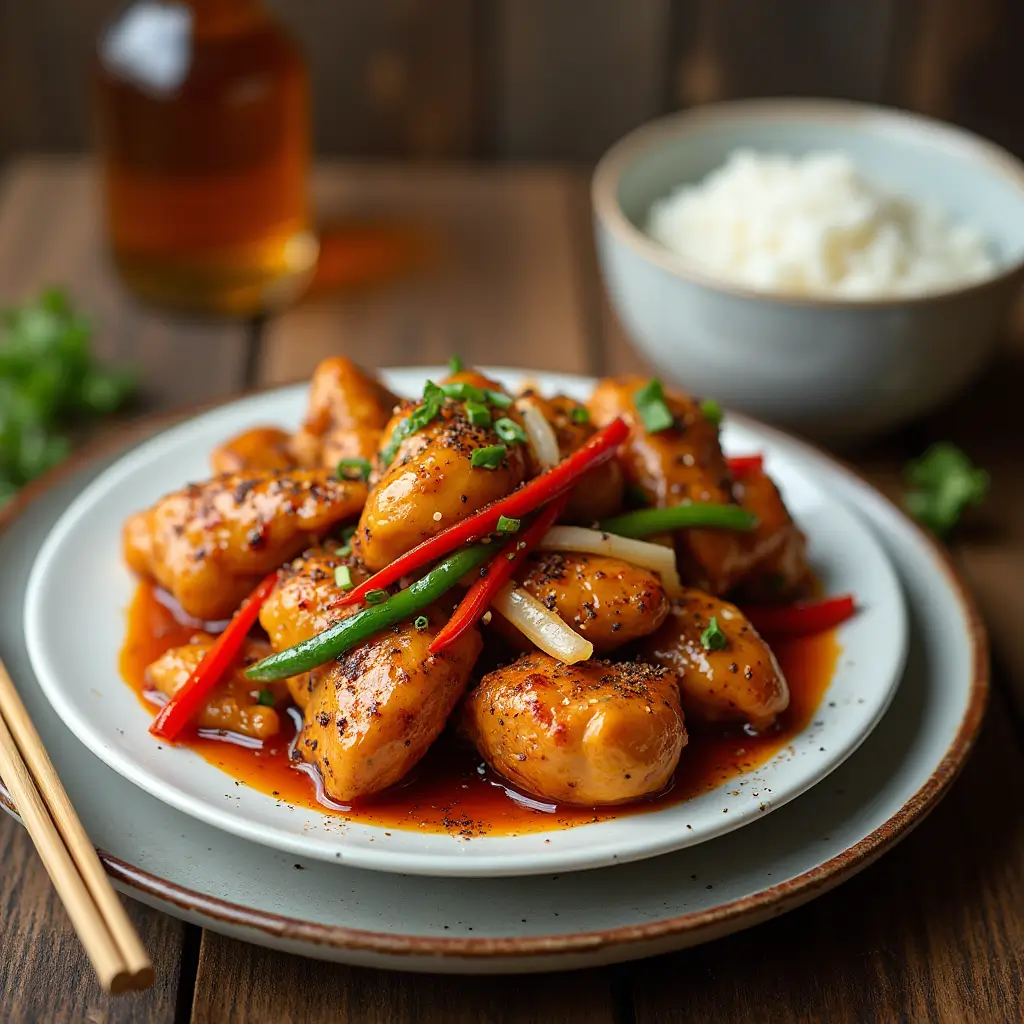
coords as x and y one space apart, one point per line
836 369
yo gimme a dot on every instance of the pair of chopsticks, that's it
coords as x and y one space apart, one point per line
103 927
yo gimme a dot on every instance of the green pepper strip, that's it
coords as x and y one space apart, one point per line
354 630
644 522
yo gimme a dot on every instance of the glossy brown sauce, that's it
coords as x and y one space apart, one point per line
451 790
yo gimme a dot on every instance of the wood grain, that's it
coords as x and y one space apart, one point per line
273 987
44 974
504 285
51 234
569 83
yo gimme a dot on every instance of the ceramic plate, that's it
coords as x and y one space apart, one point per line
74 626
193 871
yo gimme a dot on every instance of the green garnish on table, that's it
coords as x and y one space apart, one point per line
943 483
49 382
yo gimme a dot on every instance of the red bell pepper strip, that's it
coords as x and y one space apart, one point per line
802 617
182 707
598 449
739 465
498 571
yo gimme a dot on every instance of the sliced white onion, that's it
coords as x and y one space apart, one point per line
540 434
543 628
648 555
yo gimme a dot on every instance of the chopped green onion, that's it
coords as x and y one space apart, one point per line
478 414
580 415
652 408
711 410
354 469
510 431
489 457
945 482
266 698
498 399
507 525
343 577
463 392
455 364
375 596
347 534
421 621
422 416
713 639
644 522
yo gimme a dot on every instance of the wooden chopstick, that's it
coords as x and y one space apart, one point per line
98 916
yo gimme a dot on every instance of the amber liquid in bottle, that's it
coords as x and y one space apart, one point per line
203 119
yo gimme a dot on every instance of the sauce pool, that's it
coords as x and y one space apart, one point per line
451 790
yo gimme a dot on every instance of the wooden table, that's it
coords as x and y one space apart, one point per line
934 932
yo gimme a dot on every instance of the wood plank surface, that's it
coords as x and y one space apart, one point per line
273 987
933 932
503 283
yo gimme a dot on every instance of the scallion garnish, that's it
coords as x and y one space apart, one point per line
343 577
580 415
509 431
478 414
455 364
354 469
375 596
652 408
421 621
489 457
711 410
713 639
507 525
498 399
265 698
463 392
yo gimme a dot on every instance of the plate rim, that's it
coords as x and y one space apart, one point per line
604 850
778 897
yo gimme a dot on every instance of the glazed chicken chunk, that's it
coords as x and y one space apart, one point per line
375 711
210 543
305 602
431 483
592 733
681 464
606 600
776 549
599 491
739 682
348 410
236 704
260 450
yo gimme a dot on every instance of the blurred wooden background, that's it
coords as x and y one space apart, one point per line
557 79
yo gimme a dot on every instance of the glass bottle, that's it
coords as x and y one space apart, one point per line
203 122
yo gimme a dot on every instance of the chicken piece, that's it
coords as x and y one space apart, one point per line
606 600
742 682
377 709
431 484
675 466
593 733
776 550
599 491
236 704
210 544
347 412
259 450
304 603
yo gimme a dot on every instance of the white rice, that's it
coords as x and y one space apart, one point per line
814 225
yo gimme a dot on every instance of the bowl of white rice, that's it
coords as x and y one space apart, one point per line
831 267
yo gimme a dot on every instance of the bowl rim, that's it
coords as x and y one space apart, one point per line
940 135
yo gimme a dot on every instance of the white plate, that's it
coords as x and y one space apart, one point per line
74 627
196 872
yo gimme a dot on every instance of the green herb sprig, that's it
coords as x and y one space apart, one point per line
943 483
